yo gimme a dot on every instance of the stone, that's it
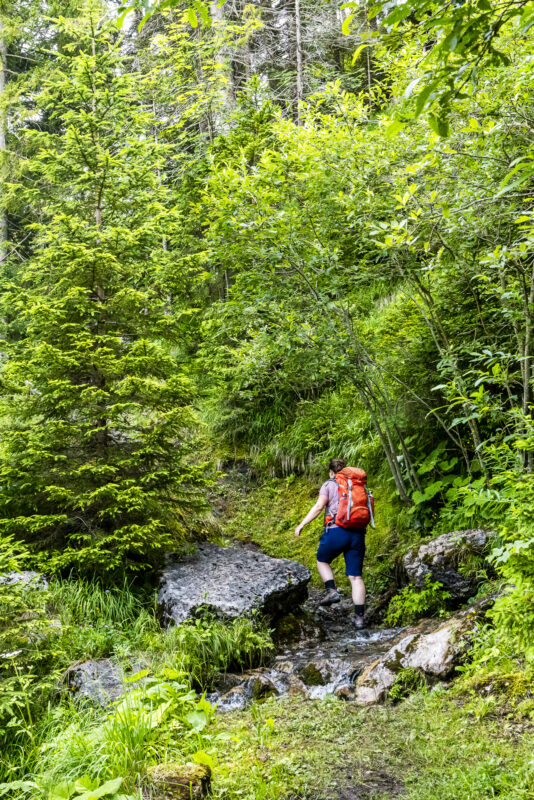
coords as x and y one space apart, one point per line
230 582
224 681
315 674
301 627
100 680
259 686
33 580
177 782
234 700
434 654
441 559
346 692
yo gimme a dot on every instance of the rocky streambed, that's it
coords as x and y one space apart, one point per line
319 652
333 658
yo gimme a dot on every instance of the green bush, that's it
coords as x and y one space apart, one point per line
411 603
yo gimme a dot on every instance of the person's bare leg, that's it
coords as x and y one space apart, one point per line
325 571
358 590
358 598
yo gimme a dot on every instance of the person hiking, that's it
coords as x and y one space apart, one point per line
345 487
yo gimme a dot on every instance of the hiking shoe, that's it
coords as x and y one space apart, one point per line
332 596
358 622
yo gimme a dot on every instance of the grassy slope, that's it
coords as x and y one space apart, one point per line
431 747
267 513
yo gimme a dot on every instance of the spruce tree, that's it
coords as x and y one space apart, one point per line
95 460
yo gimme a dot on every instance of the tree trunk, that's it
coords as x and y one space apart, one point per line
3 131
298 40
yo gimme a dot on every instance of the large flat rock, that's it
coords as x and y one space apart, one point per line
230 582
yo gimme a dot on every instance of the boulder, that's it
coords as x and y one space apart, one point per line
259 685
441 559
100 680
177 782
434 654
230 582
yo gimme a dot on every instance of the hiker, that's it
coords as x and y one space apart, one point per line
344 532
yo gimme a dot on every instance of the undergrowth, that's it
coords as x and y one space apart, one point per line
266 510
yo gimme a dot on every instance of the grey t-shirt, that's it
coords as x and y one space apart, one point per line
330 489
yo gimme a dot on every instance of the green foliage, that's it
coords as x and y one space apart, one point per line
408 681
97 433
207 646
411 603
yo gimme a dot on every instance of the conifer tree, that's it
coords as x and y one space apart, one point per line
94 461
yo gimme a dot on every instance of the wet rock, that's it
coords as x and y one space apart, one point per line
100 680
296 687
224 681
434 654
315 674
27 578
234 700
442 558
230 582
346 692
177 782
298 628
259 686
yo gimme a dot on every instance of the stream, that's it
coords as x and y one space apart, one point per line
324 657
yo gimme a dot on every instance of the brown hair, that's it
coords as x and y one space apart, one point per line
337 464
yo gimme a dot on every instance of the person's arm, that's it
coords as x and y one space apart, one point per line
312 513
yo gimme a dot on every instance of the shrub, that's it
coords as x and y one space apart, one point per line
411 603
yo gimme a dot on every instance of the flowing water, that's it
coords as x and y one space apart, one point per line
325 659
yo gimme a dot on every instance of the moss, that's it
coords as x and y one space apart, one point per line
173 781
312 676
510 684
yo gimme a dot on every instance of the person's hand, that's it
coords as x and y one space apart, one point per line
298 530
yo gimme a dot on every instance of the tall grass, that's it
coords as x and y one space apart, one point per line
206 646
47 737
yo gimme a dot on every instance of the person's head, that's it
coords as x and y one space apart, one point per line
336 465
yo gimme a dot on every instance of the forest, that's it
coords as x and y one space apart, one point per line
239 239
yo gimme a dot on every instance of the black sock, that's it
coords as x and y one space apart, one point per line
358 610
329 584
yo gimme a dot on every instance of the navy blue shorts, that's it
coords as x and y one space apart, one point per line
336 540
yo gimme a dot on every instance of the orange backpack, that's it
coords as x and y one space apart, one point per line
356 505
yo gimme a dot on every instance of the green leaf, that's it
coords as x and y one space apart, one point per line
192 17
8 788
110 787
197 719
358 50
439 125
204 758
394 128
345 25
